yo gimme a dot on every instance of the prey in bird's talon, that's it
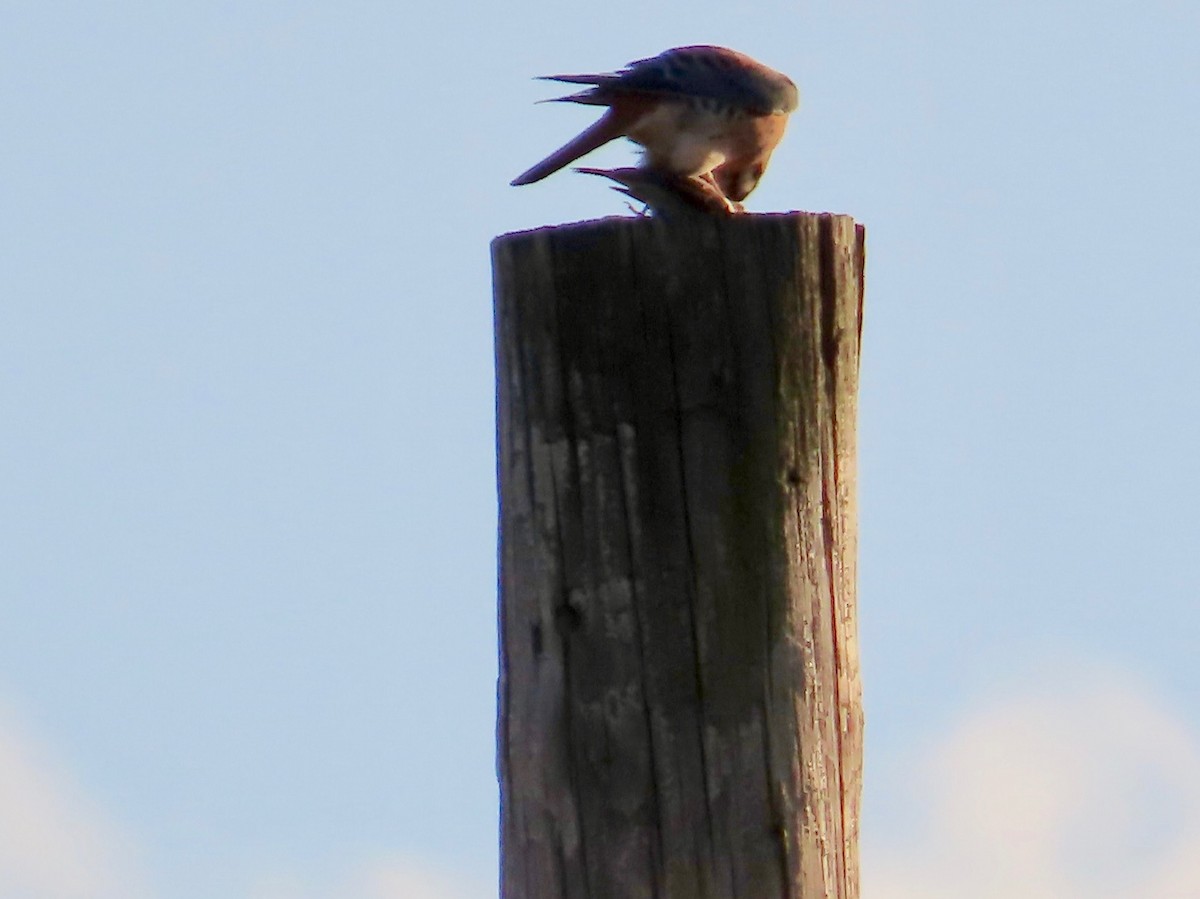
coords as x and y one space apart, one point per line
711 185
669 195
704 115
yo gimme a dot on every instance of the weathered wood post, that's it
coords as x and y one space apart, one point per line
679 700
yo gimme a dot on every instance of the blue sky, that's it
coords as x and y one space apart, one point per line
247 473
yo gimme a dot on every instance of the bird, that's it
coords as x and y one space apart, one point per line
699 112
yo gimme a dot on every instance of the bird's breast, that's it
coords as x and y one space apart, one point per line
684 138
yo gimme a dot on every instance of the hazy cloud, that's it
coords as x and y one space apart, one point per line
396 876
1081 787
1085 787
53 843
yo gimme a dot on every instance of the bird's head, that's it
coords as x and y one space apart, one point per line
737 183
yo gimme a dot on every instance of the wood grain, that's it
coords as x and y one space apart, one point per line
679 699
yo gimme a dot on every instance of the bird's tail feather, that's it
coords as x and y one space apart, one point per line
589 97
608 127
579 79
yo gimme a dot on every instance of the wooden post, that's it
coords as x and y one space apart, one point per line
679 699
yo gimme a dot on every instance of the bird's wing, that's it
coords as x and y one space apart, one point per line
715 73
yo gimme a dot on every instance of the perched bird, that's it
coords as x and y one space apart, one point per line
699 112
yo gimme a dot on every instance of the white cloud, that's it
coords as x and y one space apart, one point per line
53 843
1081 788
403 878
396 876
